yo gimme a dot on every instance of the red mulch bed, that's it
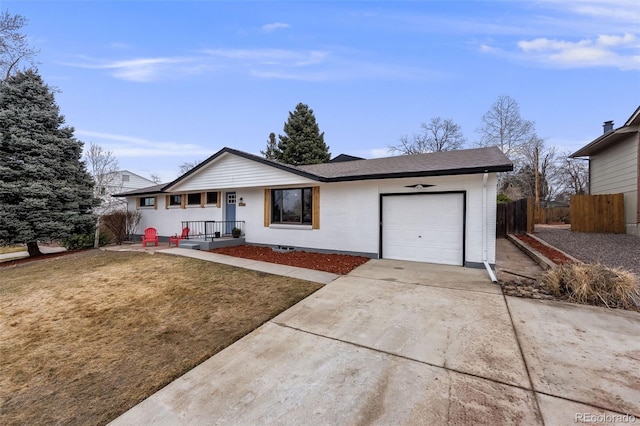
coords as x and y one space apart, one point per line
550 253
335 263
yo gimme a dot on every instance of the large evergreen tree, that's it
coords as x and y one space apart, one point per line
271 152
45 189
302 143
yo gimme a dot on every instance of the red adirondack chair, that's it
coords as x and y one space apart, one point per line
150 236
176 239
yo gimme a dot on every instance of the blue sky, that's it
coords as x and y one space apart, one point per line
159 83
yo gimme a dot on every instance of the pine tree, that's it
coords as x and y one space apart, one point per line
272 151
303 143
45 189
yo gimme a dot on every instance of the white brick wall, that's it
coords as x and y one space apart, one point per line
349 215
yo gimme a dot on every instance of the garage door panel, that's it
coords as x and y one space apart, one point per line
424 228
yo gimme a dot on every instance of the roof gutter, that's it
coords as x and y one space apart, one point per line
399 175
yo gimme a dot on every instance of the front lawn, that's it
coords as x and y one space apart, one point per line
87 336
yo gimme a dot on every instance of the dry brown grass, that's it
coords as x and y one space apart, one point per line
593 284
85 337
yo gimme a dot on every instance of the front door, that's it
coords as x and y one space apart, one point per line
230 211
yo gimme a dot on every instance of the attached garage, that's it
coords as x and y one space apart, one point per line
424 227
437 207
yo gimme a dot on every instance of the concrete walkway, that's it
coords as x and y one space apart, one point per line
254 265
409 343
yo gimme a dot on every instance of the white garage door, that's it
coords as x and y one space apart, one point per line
423 228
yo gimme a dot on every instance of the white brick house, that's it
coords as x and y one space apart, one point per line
438 207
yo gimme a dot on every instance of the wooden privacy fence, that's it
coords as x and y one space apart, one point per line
598 213
514 218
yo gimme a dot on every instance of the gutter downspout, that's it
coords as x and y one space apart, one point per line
485 176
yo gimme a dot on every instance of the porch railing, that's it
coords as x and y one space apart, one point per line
210 229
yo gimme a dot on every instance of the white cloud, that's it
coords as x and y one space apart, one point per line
601 51
285 64
542 44
141 69
609 40
132 146
612 10
267 28
285 57
485 48
574 34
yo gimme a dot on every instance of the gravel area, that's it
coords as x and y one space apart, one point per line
614 250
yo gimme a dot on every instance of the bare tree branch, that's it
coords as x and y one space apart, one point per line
188 165
438 135
14 46
502 126
575 175
103 167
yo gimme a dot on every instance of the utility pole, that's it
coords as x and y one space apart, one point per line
537 181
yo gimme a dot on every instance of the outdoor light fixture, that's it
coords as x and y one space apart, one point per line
419 186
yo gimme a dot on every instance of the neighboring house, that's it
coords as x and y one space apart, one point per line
614 166
120 181
131 181
438 207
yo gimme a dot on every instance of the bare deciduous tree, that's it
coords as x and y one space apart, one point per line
103 167
14 46
155 178
502 126
575 175
188 165
437 135
537 173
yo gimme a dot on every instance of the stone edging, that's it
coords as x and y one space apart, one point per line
537 257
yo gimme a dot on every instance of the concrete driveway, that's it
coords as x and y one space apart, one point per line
408 343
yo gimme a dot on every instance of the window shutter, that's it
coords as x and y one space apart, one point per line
137 203
315 206
166 201
267 206
203 197
155 203
183 201
219 199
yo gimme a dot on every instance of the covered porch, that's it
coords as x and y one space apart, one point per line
211 234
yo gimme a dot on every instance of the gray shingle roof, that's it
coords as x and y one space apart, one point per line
154 189
466 161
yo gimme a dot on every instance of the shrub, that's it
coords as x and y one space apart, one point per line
83 241
503 199
120 224
593 284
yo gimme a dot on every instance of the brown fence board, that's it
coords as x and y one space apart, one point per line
598 213
514 218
